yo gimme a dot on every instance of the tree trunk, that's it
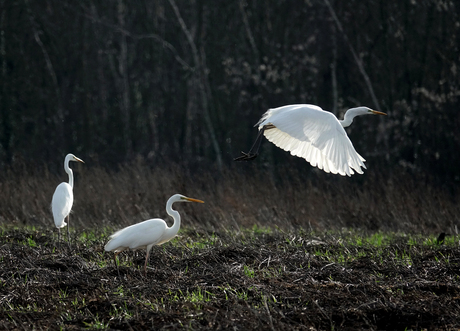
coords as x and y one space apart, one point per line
123 70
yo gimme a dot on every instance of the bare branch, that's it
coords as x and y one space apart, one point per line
51 71
153 36
355 56
201 79
248 31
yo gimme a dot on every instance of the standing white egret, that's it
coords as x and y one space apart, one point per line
316 135
148 233
62 202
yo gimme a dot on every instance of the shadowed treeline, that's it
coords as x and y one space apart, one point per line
185 81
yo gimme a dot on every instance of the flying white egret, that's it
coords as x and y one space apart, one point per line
63 198
148 233
316 135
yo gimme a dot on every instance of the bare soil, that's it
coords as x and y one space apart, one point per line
244 281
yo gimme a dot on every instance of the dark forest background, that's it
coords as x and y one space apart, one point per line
184 81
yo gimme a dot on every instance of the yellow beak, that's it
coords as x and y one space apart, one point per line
193 200
375 112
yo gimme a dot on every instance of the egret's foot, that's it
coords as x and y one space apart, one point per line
246 157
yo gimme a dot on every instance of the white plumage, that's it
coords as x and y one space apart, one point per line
62 204
316 135
145 235
62 201
139 236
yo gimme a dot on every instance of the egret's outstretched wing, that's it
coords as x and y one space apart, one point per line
309 132
137 236
61 204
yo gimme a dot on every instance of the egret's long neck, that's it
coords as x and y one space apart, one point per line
69 172
349 116
172 231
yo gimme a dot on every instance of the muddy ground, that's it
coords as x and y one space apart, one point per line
245 281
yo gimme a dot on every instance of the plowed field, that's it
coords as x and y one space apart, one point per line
251 280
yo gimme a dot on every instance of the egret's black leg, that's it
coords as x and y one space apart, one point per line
68 231
116 264
441 238
254 151
146 260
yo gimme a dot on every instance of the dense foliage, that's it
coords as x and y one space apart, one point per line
186 80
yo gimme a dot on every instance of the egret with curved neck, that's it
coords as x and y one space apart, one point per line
148 233
62 202
351 113
309 132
